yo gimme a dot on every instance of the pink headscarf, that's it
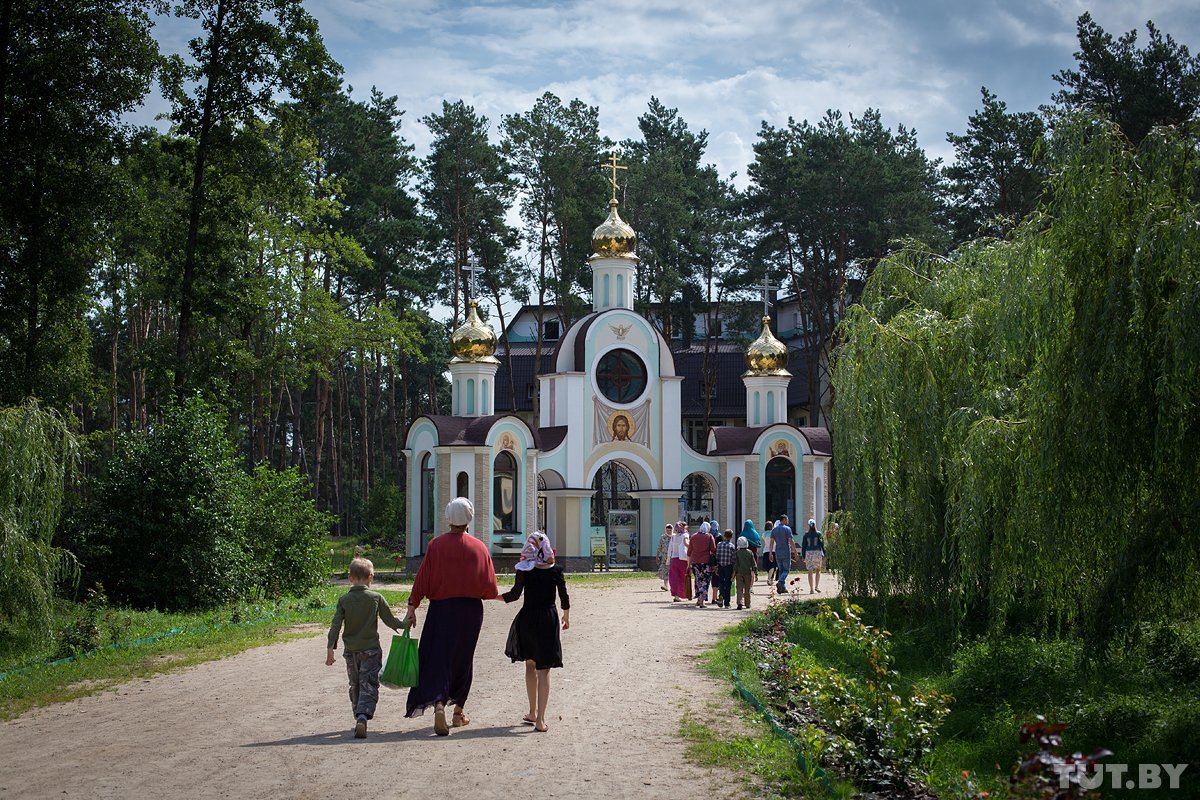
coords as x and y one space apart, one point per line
537 552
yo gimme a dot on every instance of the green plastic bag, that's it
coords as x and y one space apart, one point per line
401 668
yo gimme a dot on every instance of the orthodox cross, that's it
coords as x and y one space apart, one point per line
767 288
474 269
613 166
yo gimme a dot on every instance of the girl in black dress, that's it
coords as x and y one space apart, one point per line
533 637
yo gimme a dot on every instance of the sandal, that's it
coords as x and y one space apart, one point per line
439 722
459 720
528 720
542 729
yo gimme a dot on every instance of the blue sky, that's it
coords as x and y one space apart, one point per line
727 66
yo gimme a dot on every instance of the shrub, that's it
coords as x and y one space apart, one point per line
383 517
168 516
1025 671
285 533
38 453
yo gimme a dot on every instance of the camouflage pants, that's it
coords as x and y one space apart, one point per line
362 668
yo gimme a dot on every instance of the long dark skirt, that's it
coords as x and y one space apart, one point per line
534 636
446 654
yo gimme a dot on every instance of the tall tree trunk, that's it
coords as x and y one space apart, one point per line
203 143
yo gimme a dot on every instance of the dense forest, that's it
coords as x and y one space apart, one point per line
275 248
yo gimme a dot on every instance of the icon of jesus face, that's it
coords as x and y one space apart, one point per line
620 428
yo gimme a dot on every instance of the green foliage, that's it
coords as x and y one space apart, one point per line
82 633
68 71
1015 427
864 719
383 518
285 533
1138 89
169 516
996 178
39 454
826 201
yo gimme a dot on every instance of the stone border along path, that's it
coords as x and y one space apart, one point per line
275 721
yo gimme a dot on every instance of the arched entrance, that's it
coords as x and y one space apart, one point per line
615 514
698 499
781 488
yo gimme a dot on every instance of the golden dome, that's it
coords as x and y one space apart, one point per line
474 340
766 355
614 238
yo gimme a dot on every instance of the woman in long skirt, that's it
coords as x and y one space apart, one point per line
456 576
533 636
663 559
678 550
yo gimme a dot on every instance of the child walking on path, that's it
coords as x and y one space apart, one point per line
744 571
357 611
533 636
725 557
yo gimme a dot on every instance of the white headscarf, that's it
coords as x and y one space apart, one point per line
537 552
704 527
743 543
459 511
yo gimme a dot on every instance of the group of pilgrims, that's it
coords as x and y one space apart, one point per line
457 575
704 567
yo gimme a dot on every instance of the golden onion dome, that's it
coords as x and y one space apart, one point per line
766 355
614 238
474 340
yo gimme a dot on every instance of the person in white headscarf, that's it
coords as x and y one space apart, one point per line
533 636
744 571
457 576
663 559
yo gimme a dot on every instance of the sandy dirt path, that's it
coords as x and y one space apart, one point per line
275 721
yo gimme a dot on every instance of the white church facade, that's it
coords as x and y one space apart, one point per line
605 467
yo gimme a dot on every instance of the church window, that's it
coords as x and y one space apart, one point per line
427 487
697 497
621 376
737 502
462 486
504 493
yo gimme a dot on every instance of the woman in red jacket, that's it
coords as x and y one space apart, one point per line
457 576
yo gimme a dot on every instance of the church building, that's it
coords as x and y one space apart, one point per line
607 465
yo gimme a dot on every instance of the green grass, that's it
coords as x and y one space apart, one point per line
343 548
207 636
756 749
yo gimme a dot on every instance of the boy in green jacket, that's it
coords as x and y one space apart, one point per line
745 571
358 609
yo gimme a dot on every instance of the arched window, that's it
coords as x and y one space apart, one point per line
781 488
738 518
697 498
470 397
427 505
819 501
462 486
486 402
504 493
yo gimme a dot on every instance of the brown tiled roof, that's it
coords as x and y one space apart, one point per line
731 441
819 440
550 438
468 432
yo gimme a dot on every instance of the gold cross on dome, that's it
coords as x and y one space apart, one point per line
613 166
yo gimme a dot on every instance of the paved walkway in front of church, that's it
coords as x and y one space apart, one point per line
275 721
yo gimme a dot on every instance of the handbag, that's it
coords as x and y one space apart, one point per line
401 669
